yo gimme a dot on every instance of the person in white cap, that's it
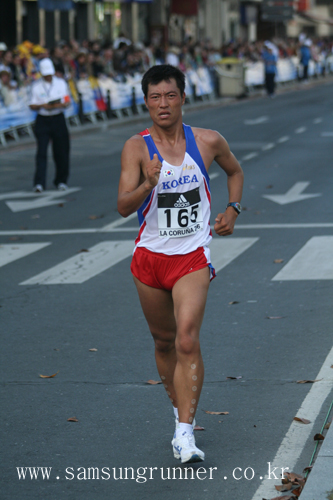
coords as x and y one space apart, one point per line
50 96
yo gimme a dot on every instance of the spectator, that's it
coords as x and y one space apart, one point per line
107 61
7 59
38 53
305 57
57 57
172 56
120 55
80 64
17 70
270 61
7 91
121 39
3 48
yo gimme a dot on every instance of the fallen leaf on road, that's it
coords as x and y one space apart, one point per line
60 205
83 250
284 487
153 382
72 419
269 186
49 376
327 426
292 477
278 261
318 437
93 217
297 491
198 428
308 468
308 381
233 302
93 349
235 378
217 412
302 420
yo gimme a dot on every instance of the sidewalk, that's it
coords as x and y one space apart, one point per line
319 485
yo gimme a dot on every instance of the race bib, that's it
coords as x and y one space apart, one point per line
179 214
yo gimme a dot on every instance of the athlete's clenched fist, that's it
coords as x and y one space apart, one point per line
154 170
224 223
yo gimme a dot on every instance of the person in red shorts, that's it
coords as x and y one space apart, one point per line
164 177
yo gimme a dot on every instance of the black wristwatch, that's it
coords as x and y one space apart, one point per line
236 206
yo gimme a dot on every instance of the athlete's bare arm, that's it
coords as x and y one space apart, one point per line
138 177
212 147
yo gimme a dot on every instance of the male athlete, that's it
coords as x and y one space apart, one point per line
164 177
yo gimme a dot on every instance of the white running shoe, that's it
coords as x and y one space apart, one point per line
184 448
62 186
38 188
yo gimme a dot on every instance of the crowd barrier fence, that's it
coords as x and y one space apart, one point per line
104 98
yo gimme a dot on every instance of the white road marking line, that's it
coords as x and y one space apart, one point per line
327 134
11 252
257 121
293 195
249 156
313 262
269 146
224 251
283 139
18 194
45 199
119 222
285 226
57 232
214 175
300 130
317 120
294 441
84 265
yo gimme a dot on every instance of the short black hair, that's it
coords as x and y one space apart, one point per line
163 73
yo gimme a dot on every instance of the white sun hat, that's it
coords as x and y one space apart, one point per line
46 67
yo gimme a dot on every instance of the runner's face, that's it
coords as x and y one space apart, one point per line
164 102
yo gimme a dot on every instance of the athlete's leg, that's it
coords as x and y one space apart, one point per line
189 298
157 306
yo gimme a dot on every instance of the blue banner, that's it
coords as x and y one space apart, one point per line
52 5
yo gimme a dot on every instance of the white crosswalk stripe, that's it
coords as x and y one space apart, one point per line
223 251
313 262
11 252
85 265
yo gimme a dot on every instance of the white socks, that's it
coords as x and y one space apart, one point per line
175 411
184 428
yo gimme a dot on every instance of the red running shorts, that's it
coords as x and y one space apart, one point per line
163 271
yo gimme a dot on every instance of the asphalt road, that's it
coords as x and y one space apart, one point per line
268 322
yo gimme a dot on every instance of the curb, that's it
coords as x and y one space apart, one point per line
319 485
